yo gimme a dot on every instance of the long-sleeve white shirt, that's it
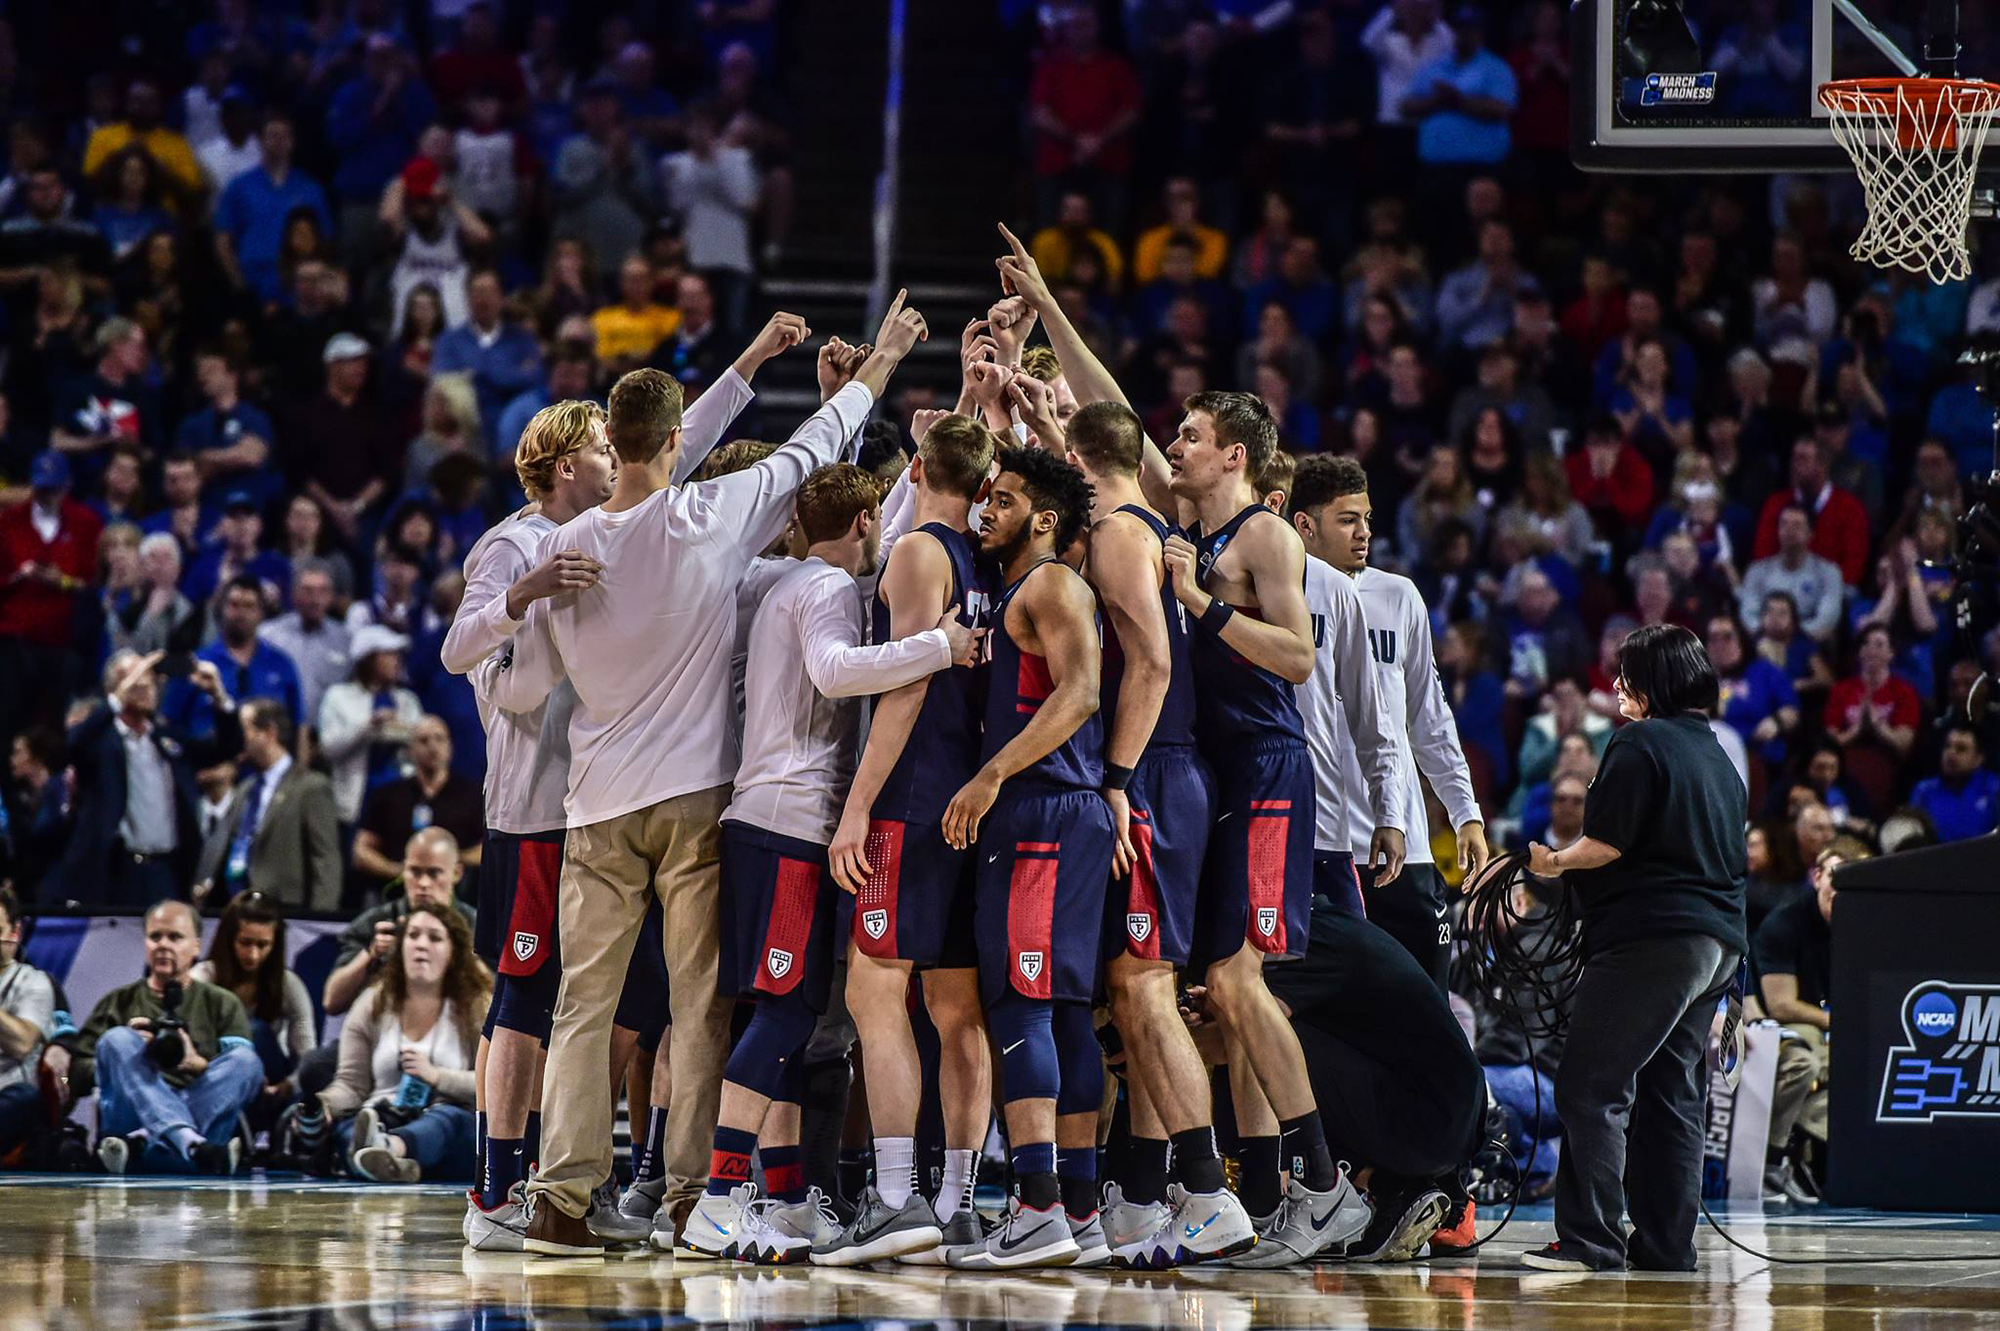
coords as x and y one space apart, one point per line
1398 57
647 649
1399 628
527 753
1347 717
808 670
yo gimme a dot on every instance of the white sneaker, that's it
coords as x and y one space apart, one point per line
732 1227
641 1201
813 1219
465 1221
379 1164
663 1234
1127 1224
1306 1224
504 1228
115 1154
1198 1227
609 1223
1026 1238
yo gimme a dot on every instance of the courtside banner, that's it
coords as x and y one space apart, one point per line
1739 1120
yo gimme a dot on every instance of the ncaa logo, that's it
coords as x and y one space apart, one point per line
1139 926
779 963
1031 966
1267 920
1934 1015
875 922
525 945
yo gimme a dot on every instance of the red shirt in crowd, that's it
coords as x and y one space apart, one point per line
29 607
1626 494
1089 94
1848 697
1840 530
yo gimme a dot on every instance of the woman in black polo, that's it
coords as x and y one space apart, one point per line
1658 877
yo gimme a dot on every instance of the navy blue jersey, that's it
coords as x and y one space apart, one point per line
1240 703
1177 709
1019 684
942 752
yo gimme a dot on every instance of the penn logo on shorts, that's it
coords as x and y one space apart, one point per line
1140 926
875 922
1031 966
780 963
1267 920
525 945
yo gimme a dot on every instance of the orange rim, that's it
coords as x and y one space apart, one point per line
1926 111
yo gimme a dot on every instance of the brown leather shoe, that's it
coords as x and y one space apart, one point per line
553 1232
681 1209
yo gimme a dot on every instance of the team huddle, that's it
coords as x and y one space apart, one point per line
1141 725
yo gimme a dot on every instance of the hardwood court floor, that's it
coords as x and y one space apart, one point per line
284 1254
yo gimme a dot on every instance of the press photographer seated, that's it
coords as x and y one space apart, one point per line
171 1058
400 1106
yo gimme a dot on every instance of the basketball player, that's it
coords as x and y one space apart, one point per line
566 465
1331 511
783 916
1240 574
1347 722
1044 857
913 892
652 759
1162 800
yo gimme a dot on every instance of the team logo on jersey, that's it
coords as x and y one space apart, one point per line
1031 966
1949 1060
525 945
779 963
1267 920
876 922
1139 926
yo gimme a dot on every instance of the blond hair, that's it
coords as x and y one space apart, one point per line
455 390
556 432
1040 362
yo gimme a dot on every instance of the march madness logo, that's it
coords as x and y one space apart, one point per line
1950 1063
1677 90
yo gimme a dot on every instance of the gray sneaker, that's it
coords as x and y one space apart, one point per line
1127 1225
813 1219
961 1229
641 1201
1091 1247
502 1229
877 1232
379 1164
1026 1238
1307 1224
610 1224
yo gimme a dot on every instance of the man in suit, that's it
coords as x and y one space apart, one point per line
135 836
280 830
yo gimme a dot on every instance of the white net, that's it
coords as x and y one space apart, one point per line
1915 144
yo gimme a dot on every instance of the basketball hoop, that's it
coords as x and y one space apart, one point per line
1915 144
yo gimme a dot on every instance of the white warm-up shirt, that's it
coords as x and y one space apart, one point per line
1399 627
808 671
647 649
527 753
1347 717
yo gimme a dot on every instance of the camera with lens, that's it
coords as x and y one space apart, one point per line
167 1049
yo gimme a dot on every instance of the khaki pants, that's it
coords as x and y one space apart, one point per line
611 871
1800 1095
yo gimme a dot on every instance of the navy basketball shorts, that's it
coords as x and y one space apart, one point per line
783 917
917 903
1337 883
515 930
1044 868
1257 879
645 1003
1150 912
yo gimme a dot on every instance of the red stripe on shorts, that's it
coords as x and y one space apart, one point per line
1031 904
875 904
1142 899
787 934
1268 840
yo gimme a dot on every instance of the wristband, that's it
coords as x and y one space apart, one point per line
1116 777
1219 613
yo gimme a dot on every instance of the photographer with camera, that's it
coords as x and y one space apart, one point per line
171 1058
400 1107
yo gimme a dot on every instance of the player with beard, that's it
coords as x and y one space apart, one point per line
1240 573
1162 800
1044 858
913 892
782 914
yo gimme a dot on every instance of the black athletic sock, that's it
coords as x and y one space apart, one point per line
1145 1179
852 1172
1035 1174
531 1140
1196 1165
1258 1188
1306 1154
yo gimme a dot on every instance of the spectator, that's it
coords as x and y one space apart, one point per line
317 643
48 549
1177 280
1563 718
1463 100
712 188
626 331
1963 799
1444 494
603 184
451 428
37 813
238 553
249 959
256 207
229 438
372 125
143 128
109 406
1793 957
477 62
396 603
696 353
1610 479
1547 507
1782 642
155 1112
180 516
45 242
650 109
338 442
365 721
1073 232
1873 704
277 833
1757 698
233 149
1790 302
431 795
1839 524
1650 408
1314 123
306 540
247 666
1813 583
435 235
27 1023
400 1106
1833 427
1303 288
1278 343
1475 304
1404 38
1183 219
502 356
496 168
571 369
1541 639
128 202
431 871
1083 104
1525 403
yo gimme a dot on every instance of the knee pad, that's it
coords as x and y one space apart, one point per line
1021 1029
770 1055
1080 1059
527 1003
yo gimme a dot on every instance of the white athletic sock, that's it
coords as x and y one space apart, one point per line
895 1170
183 1138
961 1176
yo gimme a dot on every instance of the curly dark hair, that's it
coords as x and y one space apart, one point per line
468 985
1053 485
